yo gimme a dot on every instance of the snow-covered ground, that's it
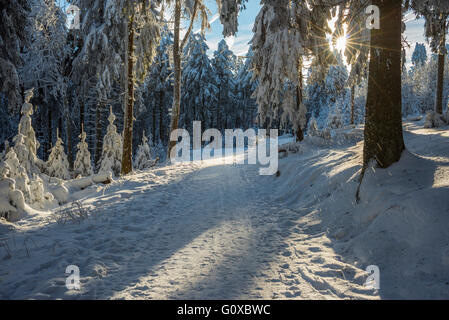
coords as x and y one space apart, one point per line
214 231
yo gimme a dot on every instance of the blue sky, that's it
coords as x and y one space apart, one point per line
239 44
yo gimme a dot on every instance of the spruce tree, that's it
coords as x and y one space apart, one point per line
112 149
57 164
83 164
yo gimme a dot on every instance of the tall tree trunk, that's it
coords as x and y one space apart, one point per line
98 132
49 132
177 84
154 125
299 96
383 124
60 126
440 81
177 51
128 125
81 117
161 114
352 104
68 132
298 130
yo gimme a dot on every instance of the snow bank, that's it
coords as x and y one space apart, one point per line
400 224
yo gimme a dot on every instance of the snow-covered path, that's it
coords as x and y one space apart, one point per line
191 231
215 231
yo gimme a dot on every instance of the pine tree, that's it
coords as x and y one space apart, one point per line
157 93
200 91
312 128
224 113
144 157
419 56
436 14
25 142
112 149
57 164
245 87
83 163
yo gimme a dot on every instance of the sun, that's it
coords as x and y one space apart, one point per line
340 44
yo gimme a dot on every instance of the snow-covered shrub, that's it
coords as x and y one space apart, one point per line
23 153
313 131
58 190
111 159
12 202
57 164
37 191
159 151
18 173
312 128
13 163
433 120
23 183
83 164
334 120
144 158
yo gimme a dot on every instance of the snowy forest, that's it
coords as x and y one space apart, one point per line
91 93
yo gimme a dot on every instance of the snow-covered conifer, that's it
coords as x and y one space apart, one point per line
143 159
245 86
37 191
13 163
224 113
112 149
83 164
57 164
312 128
200 92
27 137
17 172
12 201
419 56
334 120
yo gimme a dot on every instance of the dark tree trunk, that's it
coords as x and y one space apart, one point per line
383 124
440 81
298 130
352 104
98 133
68 132
177 85
154 125
81 117
161 115
49 132
128 125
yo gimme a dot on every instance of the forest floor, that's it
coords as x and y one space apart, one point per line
213 231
